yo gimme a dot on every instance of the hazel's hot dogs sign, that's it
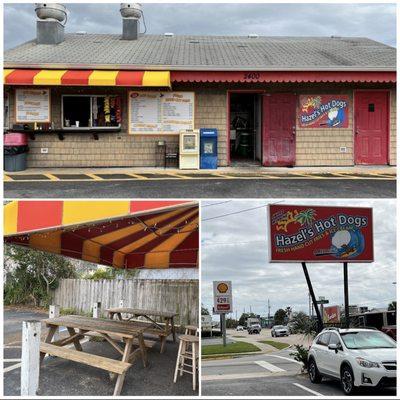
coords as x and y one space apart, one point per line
320 234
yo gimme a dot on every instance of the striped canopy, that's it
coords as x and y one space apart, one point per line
122 234
86 78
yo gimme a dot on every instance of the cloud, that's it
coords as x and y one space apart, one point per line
235 248
376 21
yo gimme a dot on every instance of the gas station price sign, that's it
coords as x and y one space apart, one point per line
320 234
222 297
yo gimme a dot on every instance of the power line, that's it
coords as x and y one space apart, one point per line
215 204
234 213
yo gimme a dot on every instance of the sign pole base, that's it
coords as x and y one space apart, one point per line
314 300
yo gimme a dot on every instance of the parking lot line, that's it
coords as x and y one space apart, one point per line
307 389
285 358
269 367
236 376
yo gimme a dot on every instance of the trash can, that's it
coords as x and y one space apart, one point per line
15 151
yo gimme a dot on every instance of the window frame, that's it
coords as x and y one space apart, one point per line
91 127
6 103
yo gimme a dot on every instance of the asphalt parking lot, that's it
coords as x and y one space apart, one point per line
60 377
204 188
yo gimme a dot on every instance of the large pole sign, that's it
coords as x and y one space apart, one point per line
222 297
320 234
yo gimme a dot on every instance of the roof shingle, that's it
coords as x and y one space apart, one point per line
205 53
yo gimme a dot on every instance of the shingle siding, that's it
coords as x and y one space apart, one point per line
314 147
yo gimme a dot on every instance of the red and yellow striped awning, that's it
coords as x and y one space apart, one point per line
122 234
49 77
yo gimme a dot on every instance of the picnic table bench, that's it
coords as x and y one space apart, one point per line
114 332
150 325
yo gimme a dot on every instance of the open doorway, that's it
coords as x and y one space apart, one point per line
245 129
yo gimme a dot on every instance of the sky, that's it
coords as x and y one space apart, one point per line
235 248
376 21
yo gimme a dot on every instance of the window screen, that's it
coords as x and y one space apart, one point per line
76 111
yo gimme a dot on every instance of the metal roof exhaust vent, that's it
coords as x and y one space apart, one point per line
252 36
50 23
131 14
168 34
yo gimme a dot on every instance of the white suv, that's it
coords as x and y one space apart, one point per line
357 357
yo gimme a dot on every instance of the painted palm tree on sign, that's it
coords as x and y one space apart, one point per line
305 217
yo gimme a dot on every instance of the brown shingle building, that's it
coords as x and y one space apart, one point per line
101 100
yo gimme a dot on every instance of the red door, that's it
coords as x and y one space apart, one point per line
371 127
279 129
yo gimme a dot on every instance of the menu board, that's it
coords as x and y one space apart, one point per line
160 112
32 105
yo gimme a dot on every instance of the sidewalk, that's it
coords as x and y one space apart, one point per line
222 171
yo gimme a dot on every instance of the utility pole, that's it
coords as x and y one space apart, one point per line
269 312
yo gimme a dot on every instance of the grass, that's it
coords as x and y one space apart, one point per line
277 345
237 347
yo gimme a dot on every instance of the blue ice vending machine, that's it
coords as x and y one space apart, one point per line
208 148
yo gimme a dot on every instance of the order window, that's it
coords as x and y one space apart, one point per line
6 110
91 111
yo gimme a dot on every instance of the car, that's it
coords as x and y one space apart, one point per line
239 328
357 357
279 330
254 328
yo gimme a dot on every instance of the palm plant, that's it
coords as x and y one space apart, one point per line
305 217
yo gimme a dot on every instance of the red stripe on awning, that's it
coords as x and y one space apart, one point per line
21 77
129 78
76 77
282 76
137 206
36 215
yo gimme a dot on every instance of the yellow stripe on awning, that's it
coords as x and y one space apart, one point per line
156 78
103 78
10 215
6 72
49 77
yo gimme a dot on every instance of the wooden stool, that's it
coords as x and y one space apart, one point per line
192 330
188 350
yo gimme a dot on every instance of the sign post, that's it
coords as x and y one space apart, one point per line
320 234
222 303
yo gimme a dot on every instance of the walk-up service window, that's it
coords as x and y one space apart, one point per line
245 127
6 110
86 111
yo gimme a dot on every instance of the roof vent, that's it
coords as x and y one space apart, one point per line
168 34
252 36
81 32
131 14
51 19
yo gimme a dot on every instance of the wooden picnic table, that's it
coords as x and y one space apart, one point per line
152 326
114 332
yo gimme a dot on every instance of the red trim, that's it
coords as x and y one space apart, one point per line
75 77
129 78
282 76
21 77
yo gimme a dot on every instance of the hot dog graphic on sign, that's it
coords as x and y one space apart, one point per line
222 297
320 234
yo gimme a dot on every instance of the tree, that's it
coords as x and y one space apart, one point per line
279 317
30 275
204 310
392 306
301 323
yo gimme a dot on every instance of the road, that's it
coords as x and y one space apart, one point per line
204 188
272 374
